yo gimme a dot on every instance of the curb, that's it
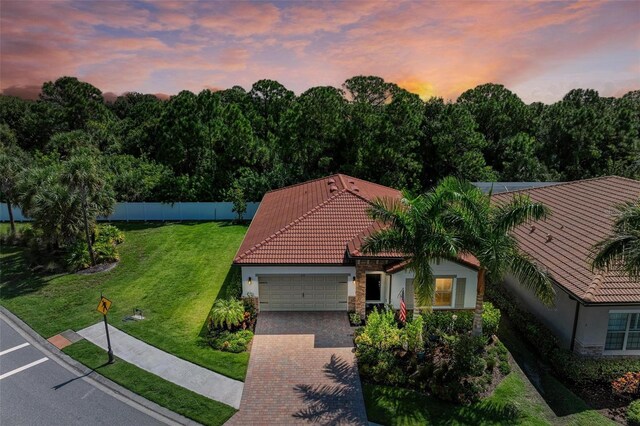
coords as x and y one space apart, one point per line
160 413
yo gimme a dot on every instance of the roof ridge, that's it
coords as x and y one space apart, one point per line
288 226
571 182
597 280
301 183
369 182
340 176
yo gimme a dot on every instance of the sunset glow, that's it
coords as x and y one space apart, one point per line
540 50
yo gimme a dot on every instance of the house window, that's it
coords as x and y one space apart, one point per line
444 292
623 332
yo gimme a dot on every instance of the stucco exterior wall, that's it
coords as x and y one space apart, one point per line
444 268
559 317
255 271
591 332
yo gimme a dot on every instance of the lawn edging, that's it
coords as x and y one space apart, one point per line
200 409
83 371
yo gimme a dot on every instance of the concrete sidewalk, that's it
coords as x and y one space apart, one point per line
183 373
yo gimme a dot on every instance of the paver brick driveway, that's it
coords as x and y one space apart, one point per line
302 370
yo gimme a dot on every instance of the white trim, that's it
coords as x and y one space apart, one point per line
624 350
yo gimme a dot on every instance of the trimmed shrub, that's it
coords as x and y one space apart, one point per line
459 322
381 331
228 341
227 313
633 413
109 234
78 256
566 365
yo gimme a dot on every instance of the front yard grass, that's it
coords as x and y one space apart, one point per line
152 387
173 272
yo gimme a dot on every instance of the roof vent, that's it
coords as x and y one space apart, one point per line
355 188
549 238
333 188
331 181
351 181
533 229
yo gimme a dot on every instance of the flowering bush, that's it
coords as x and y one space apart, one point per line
627 385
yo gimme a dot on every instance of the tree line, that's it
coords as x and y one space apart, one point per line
237 144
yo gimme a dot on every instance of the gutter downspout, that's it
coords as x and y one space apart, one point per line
575 325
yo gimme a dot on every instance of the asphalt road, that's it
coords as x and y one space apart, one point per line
36 390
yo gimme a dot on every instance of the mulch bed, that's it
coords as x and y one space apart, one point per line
602 399
103 267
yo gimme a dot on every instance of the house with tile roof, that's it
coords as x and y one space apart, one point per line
595 312
303 252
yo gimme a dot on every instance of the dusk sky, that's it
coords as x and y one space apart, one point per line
540 50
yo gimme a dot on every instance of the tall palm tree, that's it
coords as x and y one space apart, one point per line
486 230
460 219
83 177
621 250
420 228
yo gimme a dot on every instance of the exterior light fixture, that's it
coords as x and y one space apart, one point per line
249 281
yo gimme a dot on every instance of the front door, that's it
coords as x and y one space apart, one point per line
374 288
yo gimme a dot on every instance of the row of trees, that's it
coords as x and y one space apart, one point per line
215 145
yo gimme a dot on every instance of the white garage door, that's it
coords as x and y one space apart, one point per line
297 292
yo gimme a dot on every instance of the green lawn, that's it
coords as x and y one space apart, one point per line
172 272
150 386
514 402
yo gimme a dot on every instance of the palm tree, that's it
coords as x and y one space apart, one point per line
82 176
486 230
419 227
12 163
459 219
621 250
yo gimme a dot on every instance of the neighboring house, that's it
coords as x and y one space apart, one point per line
595 313
500 187
303 252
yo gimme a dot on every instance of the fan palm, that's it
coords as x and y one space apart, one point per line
457 218
621 250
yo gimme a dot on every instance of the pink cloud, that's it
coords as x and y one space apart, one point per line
440 48
241 18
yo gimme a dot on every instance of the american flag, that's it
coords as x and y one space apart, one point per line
403 308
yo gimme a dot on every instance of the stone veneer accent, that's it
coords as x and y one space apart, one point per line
362 267
351 303
592 350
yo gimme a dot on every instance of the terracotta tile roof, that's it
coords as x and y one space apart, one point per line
581 215
310 223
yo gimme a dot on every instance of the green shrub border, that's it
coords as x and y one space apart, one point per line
633 413
565 364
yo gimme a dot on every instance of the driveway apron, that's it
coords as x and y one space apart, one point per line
302 370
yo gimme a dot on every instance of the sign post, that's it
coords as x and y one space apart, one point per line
103 308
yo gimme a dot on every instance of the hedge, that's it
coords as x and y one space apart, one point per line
566 364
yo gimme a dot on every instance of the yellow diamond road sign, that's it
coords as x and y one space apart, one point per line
104 305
